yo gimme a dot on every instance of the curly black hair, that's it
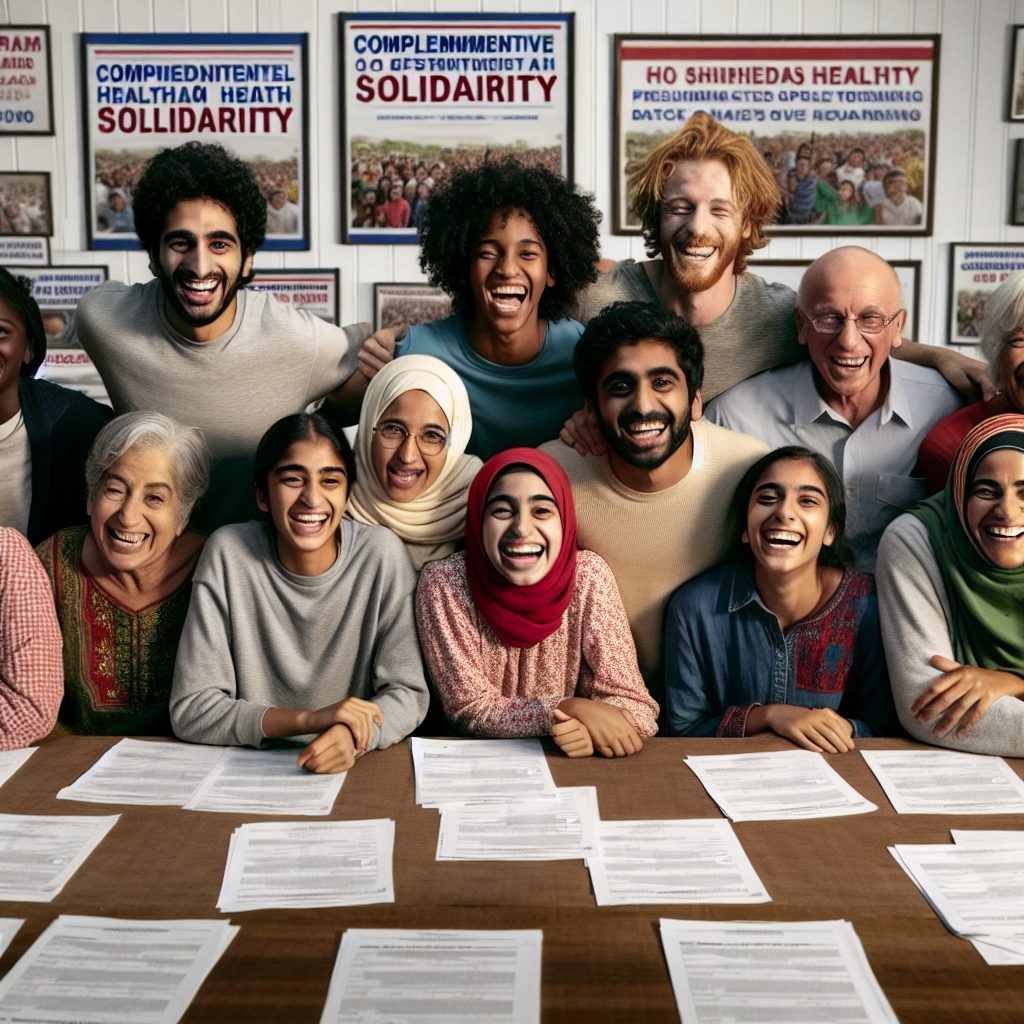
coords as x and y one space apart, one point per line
457 215
198 170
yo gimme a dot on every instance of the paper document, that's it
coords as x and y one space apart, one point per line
694 861
265 782
144 772
776 786
946 782
8 929
99 970
12 760
309 864
472 771
408 977
987 837
564 828
38 854
772 973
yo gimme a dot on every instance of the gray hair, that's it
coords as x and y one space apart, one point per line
1004 314
185 446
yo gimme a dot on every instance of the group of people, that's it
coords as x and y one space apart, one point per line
585 506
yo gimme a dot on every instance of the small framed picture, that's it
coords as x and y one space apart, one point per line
312 290
976 270
1017 203
26 101
1016 90
25 207
408 304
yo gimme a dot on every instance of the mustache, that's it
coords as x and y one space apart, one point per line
629 418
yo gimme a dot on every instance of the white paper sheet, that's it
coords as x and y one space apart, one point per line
408 977
98 970
987 837
309 864
12 760
475 771
564 828
682 861
772 973
265 782
39 853
946 782
144 772
778 785
8 929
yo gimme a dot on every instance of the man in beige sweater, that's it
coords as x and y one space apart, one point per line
657 505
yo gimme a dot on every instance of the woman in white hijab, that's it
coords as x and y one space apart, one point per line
412 474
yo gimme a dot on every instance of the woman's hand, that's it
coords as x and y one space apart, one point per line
958 700
331 752
609 729
819 729
378 350
570 735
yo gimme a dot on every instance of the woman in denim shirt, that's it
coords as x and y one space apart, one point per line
785 638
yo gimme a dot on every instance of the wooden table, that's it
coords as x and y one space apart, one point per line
599 964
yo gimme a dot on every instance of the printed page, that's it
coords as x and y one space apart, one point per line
475 771
99 970
776 786
38 854
657 861
408 977
8 929
144 772
946 782
987 837
12 760
309 864
564 828
772 973
265 782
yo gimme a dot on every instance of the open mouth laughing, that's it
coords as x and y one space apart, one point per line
507 298
196 292
646 432
781 540
308 524
125 541
517 554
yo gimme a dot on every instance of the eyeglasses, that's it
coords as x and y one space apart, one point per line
429 441
867 323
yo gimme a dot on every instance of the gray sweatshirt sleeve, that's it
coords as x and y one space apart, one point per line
915 627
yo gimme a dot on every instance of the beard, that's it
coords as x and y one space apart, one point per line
691 278
168 282
617 438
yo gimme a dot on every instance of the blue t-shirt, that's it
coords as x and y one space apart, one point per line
511 405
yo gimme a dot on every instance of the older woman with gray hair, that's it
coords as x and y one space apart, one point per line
1002 344
122 584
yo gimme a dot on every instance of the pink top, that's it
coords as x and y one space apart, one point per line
942 441
492 690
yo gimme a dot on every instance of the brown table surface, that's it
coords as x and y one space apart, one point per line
599 963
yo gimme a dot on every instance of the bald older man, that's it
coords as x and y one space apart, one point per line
851 402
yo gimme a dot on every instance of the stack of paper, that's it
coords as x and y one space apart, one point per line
309 864
783 785
977 889
772 973
407 977
946 782
38 854
98 969
696 861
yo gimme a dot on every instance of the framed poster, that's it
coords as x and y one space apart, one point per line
791 272
314 290
832 116
1016 89
26 80
144 93
1017 204
976 270
424 94
408 304
25 206
57 291
26 250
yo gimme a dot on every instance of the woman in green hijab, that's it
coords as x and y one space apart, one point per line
951 599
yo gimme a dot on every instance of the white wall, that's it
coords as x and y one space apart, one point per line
973 172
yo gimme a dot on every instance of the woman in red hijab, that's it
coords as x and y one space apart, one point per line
523 634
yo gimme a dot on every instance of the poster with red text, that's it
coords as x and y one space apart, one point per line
845 124
145 93
427 94
26 90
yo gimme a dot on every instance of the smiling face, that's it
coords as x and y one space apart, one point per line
701 225
1011 370
134 513
788 517
643 403
522 528
305 495
895 188
405 472
995 508
200 265
14 353
508 272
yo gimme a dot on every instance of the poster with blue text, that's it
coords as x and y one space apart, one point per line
427 94
846 125
145 93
